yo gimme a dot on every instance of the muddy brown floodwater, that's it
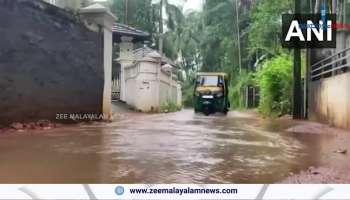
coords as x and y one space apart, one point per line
162 148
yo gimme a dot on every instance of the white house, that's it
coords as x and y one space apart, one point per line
145 80
150 81
125 38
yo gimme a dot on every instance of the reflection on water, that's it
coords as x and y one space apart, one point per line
166 148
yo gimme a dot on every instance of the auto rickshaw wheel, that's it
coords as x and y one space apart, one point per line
206 111
196 110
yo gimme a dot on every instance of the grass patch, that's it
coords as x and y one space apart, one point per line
169 106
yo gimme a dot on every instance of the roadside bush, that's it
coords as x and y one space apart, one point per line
275 81
187 96
169 106
235 97
187 92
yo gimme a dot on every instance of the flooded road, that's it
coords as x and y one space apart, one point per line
161 148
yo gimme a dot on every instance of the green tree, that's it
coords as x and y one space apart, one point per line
275 80
145 15
265 27
136 13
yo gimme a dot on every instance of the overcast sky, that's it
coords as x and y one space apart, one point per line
193 5
189 5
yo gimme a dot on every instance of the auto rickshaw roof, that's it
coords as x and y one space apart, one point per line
211 74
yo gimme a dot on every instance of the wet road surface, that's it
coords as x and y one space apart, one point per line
161 148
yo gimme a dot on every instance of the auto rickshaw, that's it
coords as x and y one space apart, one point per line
211 93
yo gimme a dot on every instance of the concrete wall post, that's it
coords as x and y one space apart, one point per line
99 15
126 59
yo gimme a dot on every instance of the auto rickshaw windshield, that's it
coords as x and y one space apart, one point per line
208 80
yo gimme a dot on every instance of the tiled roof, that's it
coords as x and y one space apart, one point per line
125 30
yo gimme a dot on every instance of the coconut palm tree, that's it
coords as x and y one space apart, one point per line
173 20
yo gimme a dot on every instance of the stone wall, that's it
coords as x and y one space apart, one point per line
50 63
329 100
